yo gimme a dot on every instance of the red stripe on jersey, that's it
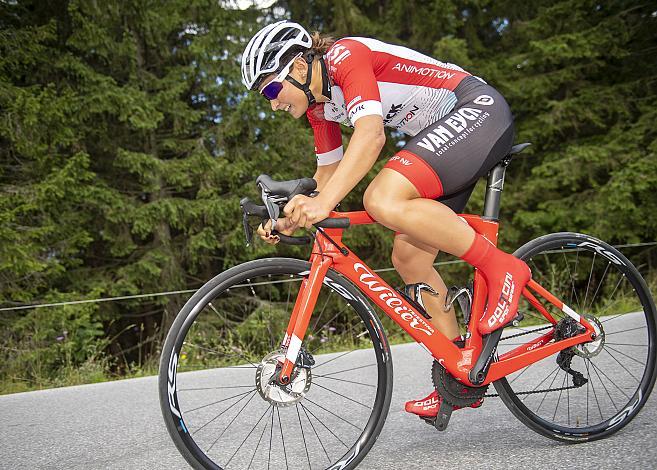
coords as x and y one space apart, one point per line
418 172
327 133
395 69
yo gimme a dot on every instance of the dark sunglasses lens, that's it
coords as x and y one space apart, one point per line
271 90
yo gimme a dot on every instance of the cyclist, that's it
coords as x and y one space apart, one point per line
459 127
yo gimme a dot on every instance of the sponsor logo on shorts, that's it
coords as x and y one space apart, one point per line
484 100
457 127
402 160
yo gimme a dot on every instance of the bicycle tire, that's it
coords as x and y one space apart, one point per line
561 242
169 379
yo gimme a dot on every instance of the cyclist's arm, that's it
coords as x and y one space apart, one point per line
323 174
363 150
353 67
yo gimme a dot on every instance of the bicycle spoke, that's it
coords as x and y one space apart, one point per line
322 423
622 278
572 281
344 396
225 399
331 360
330 412
219 415
563 383
248 435
280 426
623 354
349 370
599 284
316 434
303 436
599 370
568 401
541 382
271 435
625 331
628 344
518 376
259 440
588 284
343 380
197 367
328 297
603 384
218 353
214 388
231 422
545 394
595 394
621 364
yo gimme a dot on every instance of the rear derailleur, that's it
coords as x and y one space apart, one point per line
567 328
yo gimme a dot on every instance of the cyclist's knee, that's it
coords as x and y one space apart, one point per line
381 205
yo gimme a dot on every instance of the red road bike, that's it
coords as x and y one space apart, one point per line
280 362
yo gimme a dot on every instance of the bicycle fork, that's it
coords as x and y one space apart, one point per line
303 309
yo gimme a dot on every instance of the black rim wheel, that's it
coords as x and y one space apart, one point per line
213 404
598 281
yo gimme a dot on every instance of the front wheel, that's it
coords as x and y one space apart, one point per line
617 369
219 402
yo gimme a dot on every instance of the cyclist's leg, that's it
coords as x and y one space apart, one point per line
439 161
413 260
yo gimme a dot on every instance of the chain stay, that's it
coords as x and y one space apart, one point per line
545 390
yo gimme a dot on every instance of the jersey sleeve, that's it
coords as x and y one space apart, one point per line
350 64
328 138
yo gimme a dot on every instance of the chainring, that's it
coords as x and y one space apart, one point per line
454 392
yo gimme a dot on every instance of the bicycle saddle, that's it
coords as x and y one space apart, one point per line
287 189
519 148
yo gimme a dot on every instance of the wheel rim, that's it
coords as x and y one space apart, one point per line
226 418
619 366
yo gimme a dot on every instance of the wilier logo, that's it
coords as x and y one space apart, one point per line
484 100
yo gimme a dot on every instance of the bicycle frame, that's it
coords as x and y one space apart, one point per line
457 361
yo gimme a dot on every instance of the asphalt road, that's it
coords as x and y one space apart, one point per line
118 425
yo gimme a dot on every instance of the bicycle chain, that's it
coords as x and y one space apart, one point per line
545 390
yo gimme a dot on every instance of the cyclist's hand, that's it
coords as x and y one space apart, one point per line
304 211
283 226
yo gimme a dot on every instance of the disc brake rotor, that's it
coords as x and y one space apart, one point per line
274 393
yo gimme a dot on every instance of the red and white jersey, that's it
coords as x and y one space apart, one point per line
409 90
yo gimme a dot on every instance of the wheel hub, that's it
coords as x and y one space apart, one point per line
593 348
274 393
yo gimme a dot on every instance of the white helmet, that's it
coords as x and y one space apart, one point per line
265 50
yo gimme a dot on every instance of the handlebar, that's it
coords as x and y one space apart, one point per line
275 194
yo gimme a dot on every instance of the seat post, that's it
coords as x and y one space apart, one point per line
494 187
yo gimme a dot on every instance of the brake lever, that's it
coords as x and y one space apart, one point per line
248 231
272 208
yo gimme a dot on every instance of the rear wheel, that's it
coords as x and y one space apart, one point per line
597 281
219 403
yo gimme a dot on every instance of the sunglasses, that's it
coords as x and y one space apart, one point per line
272 89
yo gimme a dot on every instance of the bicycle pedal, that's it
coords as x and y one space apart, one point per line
518 318
444 414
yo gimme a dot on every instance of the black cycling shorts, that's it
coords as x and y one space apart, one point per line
445 160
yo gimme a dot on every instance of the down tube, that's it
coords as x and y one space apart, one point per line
402 313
